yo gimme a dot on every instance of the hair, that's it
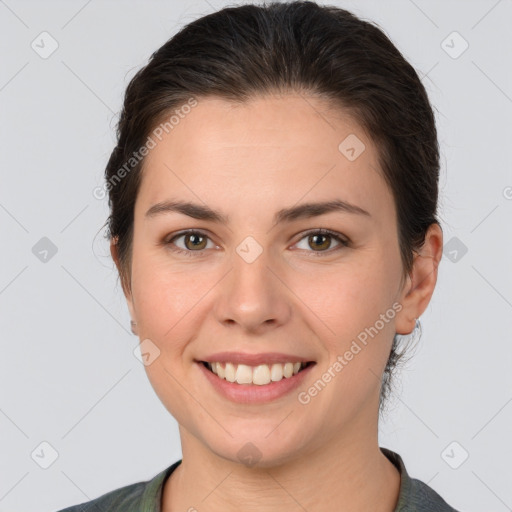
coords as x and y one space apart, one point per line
250 51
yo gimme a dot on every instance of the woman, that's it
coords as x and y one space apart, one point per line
273 198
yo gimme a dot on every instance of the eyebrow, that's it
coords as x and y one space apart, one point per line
302 211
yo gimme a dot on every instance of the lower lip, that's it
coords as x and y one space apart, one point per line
252 393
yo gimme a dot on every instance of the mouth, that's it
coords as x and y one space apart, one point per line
257 384
259 375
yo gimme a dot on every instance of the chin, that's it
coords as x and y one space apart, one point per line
258 451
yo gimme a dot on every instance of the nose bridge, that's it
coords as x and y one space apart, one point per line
252 297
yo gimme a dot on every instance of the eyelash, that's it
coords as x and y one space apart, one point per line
315 254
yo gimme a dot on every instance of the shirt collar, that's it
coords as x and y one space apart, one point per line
405 480
151 499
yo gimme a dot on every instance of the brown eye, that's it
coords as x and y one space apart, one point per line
193 242
320 241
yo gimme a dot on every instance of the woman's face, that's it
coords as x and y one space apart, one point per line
252 284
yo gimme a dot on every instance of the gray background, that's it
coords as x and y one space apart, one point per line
68 375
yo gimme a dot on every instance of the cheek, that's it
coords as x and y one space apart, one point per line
355 307
170 301
358 310
350 296
165 309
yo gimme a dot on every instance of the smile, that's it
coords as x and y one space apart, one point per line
250 392
260 375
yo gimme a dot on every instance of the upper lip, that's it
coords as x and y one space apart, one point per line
254 359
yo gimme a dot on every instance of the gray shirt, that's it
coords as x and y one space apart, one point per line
414 496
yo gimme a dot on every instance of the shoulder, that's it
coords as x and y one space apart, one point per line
424 498
414 494
144 495
118 499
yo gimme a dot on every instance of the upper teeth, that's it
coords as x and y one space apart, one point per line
260 375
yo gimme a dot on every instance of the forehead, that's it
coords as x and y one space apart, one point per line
271 122
274 148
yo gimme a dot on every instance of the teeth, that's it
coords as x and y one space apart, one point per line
259 375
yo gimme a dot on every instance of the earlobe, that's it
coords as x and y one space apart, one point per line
421 282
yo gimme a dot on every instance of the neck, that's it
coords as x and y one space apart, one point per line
350 472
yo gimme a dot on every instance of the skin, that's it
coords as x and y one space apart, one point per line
249 161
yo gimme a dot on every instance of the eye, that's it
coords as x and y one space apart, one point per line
194 241
321 240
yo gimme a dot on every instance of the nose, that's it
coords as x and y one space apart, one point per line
253 297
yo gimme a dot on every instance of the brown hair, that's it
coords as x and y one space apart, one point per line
247 51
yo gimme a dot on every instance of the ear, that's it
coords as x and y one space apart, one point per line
126 288
420 283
